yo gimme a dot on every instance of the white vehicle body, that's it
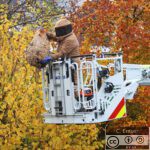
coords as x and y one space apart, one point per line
109 92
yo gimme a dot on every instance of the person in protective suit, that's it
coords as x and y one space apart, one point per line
68 44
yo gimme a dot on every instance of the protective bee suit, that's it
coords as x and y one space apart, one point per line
68 44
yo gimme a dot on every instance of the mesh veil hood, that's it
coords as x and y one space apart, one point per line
63 28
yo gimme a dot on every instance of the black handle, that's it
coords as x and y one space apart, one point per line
87 55
112 54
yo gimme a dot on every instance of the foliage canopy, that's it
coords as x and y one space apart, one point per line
118 24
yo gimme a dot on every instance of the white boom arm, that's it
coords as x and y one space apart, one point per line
136 75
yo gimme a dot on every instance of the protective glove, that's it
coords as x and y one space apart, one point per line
51 36
46 60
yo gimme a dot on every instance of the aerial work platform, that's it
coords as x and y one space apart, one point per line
103 86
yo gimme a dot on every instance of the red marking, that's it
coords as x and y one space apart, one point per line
117 110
